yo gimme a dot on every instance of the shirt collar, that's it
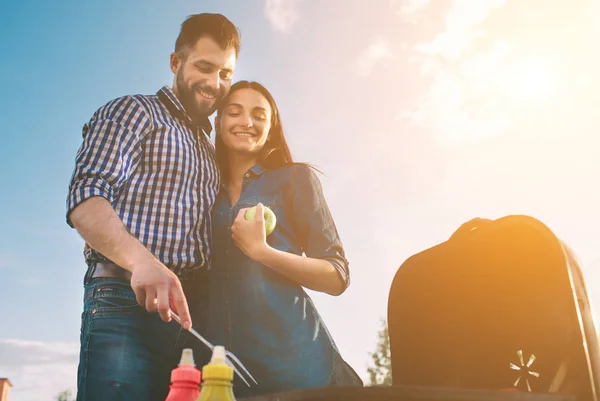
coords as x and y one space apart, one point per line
257 169
170 100
253 171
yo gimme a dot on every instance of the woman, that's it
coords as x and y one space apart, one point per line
258 307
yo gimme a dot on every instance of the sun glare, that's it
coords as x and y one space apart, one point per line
488 101
531 79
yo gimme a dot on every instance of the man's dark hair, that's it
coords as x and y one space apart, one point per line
215 26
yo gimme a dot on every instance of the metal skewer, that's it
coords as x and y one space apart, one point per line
231 358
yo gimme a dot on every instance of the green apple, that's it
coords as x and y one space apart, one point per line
269 216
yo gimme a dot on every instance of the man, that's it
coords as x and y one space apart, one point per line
144 182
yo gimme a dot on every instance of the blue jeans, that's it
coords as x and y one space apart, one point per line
126 352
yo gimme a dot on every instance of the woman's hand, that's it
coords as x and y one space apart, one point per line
316 274
250 235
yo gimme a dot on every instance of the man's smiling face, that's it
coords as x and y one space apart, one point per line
203 76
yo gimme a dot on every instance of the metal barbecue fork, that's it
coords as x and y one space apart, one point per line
229 356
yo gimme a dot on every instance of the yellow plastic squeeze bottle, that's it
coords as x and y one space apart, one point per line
217 378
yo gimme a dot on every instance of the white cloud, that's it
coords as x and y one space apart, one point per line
282 14
462 101
408 8
460 29
38 370
374 54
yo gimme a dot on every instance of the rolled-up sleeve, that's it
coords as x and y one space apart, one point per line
317 232
110 151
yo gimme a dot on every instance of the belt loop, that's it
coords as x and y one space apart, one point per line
89 272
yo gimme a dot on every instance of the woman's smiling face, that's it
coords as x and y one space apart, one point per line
245 122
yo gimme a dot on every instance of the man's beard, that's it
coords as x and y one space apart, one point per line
187 97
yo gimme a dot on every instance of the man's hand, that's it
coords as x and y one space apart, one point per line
158 290
156 287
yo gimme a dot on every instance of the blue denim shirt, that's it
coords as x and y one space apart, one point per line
266 319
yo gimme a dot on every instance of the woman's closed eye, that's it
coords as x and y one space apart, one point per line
255 116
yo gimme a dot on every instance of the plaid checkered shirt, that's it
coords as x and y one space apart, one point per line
157 170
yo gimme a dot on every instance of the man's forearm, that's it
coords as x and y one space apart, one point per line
98 224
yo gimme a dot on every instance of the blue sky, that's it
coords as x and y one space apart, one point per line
422 114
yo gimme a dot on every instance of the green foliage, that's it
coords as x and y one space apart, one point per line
380 373
64 396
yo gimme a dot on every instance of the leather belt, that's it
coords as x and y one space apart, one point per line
111 270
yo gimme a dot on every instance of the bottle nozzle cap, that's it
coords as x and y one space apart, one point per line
218 355
218 368
187 357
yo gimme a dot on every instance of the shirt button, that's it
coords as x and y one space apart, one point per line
247 175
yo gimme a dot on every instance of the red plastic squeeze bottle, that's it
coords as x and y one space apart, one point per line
185 379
